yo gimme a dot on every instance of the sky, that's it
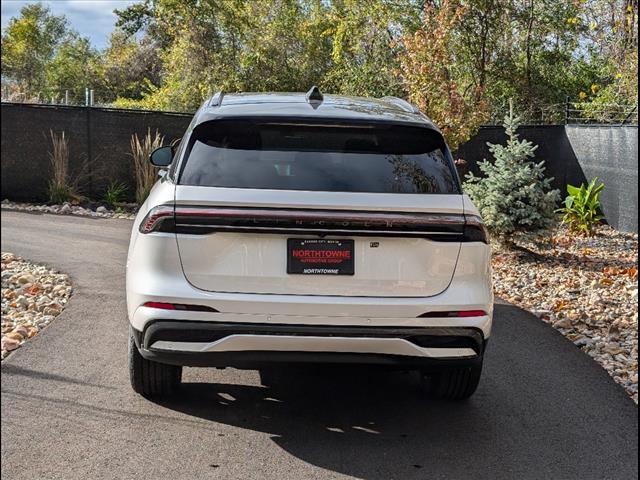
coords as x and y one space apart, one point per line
91 18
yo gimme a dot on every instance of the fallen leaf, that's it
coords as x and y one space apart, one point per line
33 290
560 305
615 271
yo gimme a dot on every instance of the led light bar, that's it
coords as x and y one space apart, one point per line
196 220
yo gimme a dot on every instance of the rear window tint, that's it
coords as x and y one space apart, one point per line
318 157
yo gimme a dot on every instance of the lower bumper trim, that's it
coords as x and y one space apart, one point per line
252 345
257 360
294 343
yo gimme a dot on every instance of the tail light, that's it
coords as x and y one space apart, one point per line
159 219
204 220
474 230
456 314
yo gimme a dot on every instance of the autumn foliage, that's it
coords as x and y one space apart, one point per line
425 67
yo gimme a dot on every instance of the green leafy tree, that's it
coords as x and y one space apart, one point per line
130 66
612 40
365 45
617 100
459 60
513 195
200 46
75 66
29 43
286 46
345 46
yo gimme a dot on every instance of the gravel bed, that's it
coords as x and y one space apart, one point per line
586 288
95 210
32 296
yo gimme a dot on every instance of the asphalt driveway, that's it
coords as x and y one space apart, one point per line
544 410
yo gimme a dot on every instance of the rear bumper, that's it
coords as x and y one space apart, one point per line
154 274
245 345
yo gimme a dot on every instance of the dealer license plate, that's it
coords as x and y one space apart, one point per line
320 256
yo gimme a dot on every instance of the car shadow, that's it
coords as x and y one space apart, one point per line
539 402
362 421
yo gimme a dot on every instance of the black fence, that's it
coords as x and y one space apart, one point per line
99 143
574 154
611 154
99 146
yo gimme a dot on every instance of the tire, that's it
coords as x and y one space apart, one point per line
456 383
151 379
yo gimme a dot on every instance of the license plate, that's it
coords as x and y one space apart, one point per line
320 256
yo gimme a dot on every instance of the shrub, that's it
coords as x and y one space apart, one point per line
513 196
582 207
60 189
146 174
115 193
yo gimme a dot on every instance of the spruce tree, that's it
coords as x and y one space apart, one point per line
513 194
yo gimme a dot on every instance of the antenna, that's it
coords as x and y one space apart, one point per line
314 95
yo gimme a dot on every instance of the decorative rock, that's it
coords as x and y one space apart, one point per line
583 342
9 344
22 331
589 286
612 348
613 333
31 296
564 323
24 279
67 209
15 335
21 302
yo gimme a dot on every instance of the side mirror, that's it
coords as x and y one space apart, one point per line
161 156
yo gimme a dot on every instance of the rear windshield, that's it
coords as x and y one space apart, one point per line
318 157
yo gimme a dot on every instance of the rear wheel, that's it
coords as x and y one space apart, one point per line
456 383
151 379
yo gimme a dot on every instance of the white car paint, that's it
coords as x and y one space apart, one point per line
155 274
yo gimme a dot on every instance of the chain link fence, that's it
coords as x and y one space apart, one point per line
571 113
78 97
565 113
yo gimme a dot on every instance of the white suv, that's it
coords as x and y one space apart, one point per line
307 228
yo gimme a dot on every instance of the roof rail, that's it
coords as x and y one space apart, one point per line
216 100
403 104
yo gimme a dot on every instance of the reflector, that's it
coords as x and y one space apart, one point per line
179 306
458 314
